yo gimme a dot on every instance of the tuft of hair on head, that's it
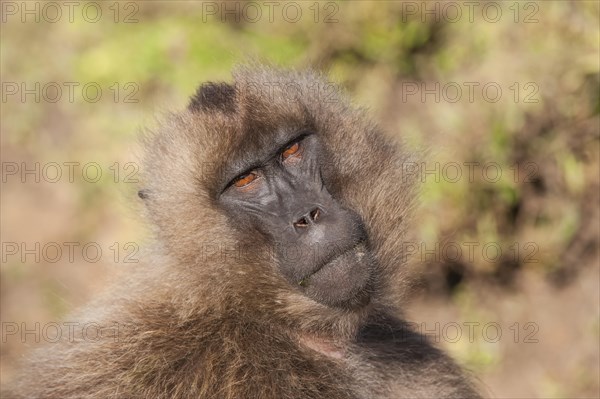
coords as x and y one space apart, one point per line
212 96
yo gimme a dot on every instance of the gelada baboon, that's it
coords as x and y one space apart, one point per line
279 211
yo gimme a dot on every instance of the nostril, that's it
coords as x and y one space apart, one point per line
308 218
314 214
302 222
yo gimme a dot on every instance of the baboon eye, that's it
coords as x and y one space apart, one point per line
245 179
293 150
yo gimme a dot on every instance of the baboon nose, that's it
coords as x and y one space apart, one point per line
307 219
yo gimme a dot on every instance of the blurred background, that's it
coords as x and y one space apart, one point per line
503 97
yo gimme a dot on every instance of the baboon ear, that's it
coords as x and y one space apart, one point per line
213 96
144 194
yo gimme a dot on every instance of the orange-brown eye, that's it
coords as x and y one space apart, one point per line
244 180
292 150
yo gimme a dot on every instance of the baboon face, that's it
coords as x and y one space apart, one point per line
279 192
286 200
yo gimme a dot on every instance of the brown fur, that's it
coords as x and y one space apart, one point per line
209 316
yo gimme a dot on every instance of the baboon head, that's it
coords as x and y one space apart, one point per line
273 195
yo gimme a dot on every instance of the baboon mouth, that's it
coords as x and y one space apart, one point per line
342 281
356 252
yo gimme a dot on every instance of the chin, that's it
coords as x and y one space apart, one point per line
343 282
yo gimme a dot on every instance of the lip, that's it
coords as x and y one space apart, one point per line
331 261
